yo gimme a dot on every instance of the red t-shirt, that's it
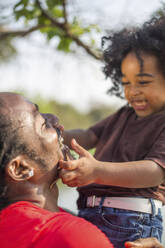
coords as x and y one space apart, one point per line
24 225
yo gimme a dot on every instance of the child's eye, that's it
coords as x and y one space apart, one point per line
124 83
144 82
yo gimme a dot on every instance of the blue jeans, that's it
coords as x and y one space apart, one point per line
124 225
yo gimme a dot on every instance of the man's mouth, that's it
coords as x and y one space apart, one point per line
66 155
64 148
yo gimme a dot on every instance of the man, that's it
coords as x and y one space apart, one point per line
30 150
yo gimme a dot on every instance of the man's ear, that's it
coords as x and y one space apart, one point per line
19 169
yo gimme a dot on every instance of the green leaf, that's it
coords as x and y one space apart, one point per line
19 14
57 12
52 3
23 13
25 2
36 13
22 3
77 30
52 32
42 20
18 5
93 42
28 14
64 44
75 21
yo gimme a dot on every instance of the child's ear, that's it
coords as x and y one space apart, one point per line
19 169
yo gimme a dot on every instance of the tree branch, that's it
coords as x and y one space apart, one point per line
87 48
54 23
65 27
4 33
65 11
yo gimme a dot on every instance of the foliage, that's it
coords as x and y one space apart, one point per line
51 17
7 50
160 12
54 20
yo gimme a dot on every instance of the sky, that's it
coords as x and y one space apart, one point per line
67 78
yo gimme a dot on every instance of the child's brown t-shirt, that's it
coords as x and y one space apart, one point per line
123 137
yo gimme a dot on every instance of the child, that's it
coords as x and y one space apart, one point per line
121 188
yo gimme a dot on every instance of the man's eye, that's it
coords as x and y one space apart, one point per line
58 132
46 123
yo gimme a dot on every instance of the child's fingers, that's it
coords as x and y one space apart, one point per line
68 165
144 243
132 245
67 154
79 149
68 177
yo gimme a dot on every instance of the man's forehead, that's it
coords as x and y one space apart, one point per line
8 99
11 104
6 95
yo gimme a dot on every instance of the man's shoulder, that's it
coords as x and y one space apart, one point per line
72 231
25 210
47 229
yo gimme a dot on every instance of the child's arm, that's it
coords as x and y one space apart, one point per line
85 137
86 170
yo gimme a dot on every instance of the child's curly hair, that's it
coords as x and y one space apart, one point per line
150 39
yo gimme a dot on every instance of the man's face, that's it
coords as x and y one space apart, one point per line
37 131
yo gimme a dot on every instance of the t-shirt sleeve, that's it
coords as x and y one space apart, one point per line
67 231
157 151
109 121
99 126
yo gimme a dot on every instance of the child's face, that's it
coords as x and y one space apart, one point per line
144 89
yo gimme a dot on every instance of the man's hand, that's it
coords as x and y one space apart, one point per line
144 243
81 171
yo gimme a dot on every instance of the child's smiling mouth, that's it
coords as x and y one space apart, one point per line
139 104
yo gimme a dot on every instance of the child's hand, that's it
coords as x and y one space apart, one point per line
144 243
79 172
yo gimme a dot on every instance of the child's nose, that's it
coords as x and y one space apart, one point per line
134 90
